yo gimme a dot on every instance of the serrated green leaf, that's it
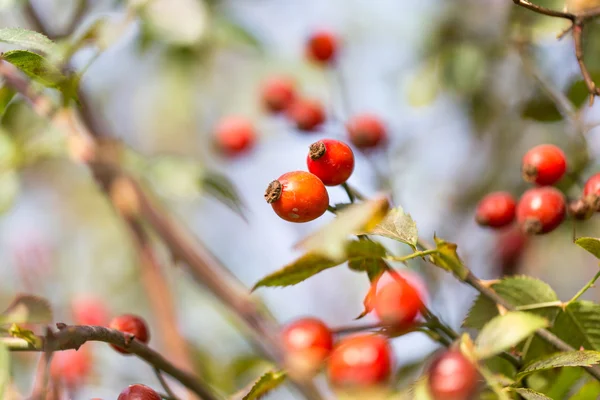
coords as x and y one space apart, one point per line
590 244
589 391
298 271
27 309
330 241
579 325
506 331
4 369
222 189
27 39
35 66
365 256
266 383
398 225
577 358
529 394
517 291
448 259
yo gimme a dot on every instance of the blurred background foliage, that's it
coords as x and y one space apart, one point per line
465 87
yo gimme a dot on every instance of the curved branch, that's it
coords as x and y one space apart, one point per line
544 11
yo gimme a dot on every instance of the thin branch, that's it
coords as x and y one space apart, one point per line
164 384
416 254
74 336
585 288
349 192
585 73
543 10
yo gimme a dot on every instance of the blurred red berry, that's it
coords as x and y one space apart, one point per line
366 131
397 303
322 47
452 377
331 161
138 392
89 310
360 361
544 164
308 342
591 192
307 114
298 196
541 210
496 210
71 367
235 135
278 93
133 325
510 246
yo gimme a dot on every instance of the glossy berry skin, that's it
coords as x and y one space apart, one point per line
298 196
132 324
330 160
71 367
360 361
278 93
397 303
308 342
235 135
541 210
89 310
366 131
496 210
307 114
544 165
138 392
591 192
322 47
452 377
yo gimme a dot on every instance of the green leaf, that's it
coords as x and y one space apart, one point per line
529 394
590 244
506 331
542 109
4 369
26 38
6 95
35 66
230 33
579 325
398 225
222 189
577 358
564 383
25 334
517 291
448 259
578 93
589 391
421 390
366 255
266 383
27 309
303 268
330 241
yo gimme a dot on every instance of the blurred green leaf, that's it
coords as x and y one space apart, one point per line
366 255
266 383
398 225
542 109
9 189
464 67
298 271
4 369
577 358
174 177
230 33
6 95
506 331
590 244
564 382
589 391
176 22
448 259
222 189
27 308
421 390
9 152
4 4
424 86
26 38
330 241
517 291
579 325
578 92
25 334
35 66
529 394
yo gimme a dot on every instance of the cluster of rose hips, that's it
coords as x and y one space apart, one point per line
543 208
236 134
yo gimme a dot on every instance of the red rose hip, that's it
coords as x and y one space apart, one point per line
306 114
452 377
397 303
133 325
591 192
235 135
88 310
544 164
71 367
138 392
331 161
366 131
496 210
360 361
541 210
322 47
278 93
308 342
298 196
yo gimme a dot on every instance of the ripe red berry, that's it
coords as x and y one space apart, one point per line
541 210
132 324
360 361
138 392
591 192
510 246
397 303
235 135
308 342
298 196
452 377
366 131
331 161
322 47
278 93
71 367
307 114
496 210
89 310
544 164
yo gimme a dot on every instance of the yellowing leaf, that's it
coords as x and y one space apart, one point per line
448 259
27 309
25 334
265 384
397 225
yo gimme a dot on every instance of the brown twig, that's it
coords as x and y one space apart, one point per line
164 384
579 54
543 10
